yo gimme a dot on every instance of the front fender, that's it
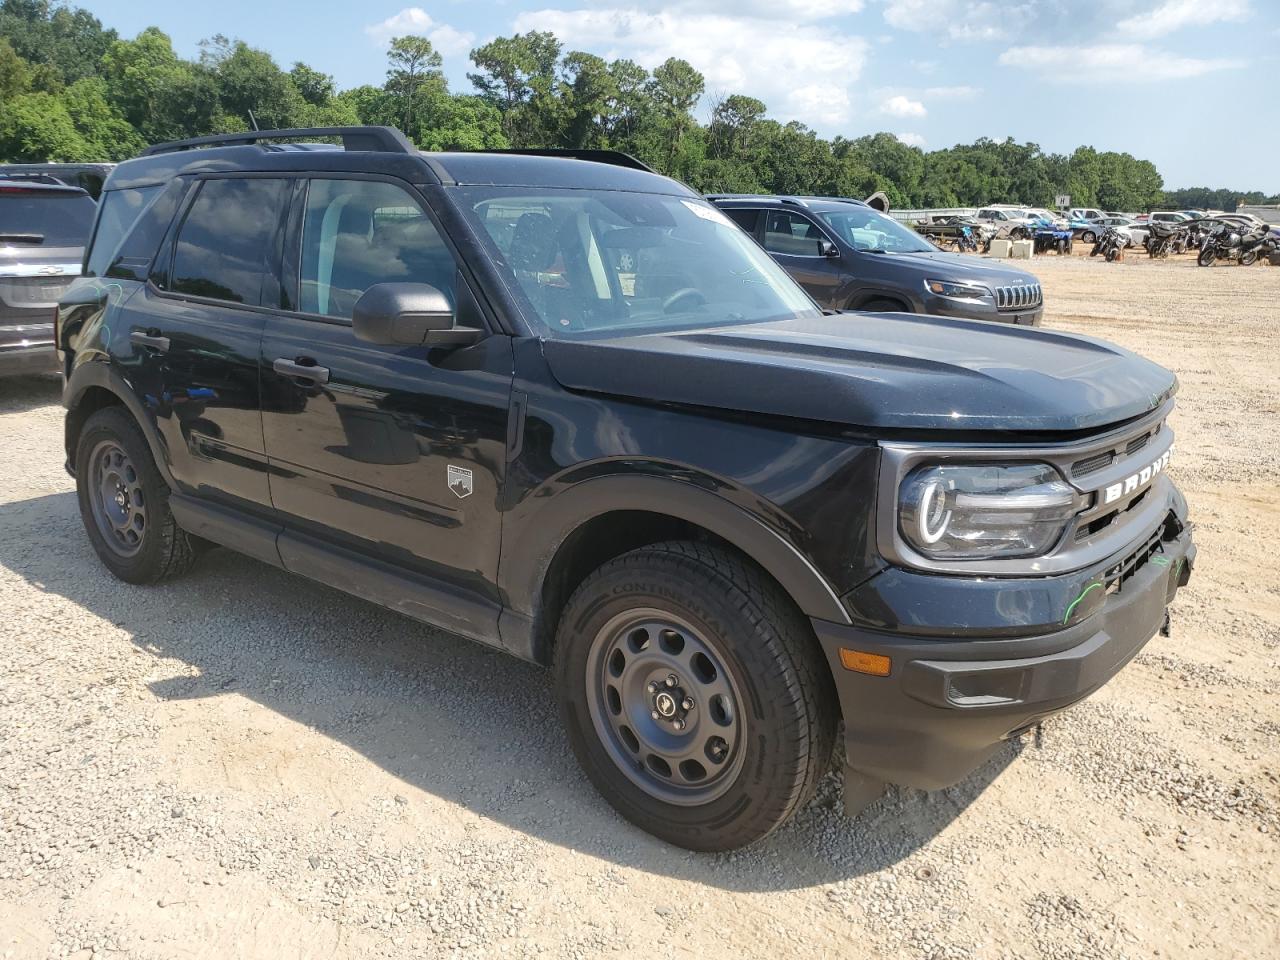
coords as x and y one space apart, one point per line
544 530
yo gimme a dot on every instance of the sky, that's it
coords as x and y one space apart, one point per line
1176 82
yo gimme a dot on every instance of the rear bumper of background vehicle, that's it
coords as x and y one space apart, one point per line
29 357
947 704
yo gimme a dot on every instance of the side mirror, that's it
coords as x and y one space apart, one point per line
405 314
828 249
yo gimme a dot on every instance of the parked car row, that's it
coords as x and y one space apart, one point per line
562 405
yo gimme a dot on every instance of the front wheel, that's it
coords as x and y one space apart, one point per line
1088 236
1207 256
694 694
1112 253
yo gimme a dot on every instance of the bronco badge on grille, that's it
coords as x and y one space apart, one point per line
1137 480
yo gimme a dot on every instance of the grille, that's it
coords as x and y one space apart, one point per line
1137 443
34 291
1092 464
1020 297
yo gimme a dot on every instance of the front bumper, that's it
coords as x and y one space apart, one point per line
947 703
971 310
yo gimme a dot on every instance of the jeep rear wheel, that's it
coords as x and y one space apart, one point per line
694 695
124 502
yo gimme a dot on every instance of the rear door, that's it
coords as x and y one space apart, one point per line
396 453
196 329
796 242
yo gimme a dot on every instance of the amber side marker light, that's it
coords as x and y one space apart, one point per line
872 664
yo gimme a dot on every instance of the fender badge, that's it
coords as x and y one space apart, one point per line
461 481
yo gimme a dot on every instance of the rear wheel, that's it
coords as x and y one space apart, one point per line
124 502
1088 236
1248 258
694 695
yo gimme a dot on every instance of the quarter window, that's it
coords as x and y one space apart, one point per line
357 233
225 241
746 219
790 233
120 211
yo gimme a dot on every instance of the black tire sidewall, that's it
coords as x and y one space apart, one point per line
761 796
149 563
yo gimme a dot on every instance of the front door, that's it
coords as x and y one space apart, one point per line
395 453
195 338
797 244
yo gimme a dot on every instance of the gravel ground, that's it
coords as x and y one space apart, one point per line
244 764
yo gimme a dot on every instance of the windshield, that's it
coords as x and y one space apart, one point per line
48 218
865 229
599 262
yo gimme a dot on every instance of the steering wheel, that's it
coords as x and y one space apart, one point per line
686 293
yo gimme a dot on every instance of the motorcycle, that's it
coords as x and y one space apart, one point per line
1164 239
1256 245
1220 244
1110 245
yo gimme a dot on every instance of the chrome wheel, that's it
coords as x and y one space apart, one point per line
116 498
665 707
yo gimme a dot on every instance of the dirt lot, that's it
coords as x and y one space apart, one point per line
243 764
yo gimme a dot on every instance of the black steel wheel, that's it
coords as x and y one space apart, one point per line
694 694
124 502
665 706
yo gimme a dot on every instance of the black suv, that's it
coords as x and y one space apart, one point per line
43 229
563 406
849 256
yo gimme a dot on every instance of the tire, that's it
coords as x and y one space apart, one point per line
1206 257
132 529
1111 254
882 306
1248 258
737 641
1088 236
1097 249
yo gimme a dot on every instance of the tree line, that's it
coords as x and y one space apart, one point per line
72 90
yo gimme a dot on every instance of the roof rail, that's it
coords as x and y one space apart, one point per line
377 139
615 157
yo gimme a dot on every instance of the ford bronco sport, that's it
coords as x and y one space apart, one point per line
562 405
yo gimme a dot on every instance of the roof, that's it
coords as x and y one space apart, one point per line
385 150
768 199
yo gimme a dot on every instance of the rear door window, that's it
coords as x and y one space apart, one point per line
45 218
227 240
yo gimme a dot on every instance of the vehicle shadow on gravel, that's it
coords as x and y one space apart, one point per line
20 394
465 723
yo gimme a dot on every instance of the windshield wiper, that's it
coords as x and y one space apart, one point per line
21 238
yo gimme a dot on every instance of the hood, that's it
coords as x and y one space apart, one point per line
877 371
931 265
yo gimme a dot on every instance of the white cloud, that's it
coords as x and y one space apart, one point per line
1091 63
801 71
416 22
963 20
911 139
1175 14
900 106
951 93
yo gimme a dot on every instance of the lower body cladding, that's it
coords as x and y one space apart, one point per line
925 710
1028 316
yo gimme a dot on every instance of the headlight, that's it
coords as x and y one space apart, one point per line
981 512
963 291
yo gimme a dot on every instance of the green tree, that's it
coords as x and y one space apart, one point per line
15 73
415 71
36 128
315 87
675 89
107 135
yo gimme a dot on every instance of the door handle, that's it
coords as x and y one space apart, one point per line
149 338
304 370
